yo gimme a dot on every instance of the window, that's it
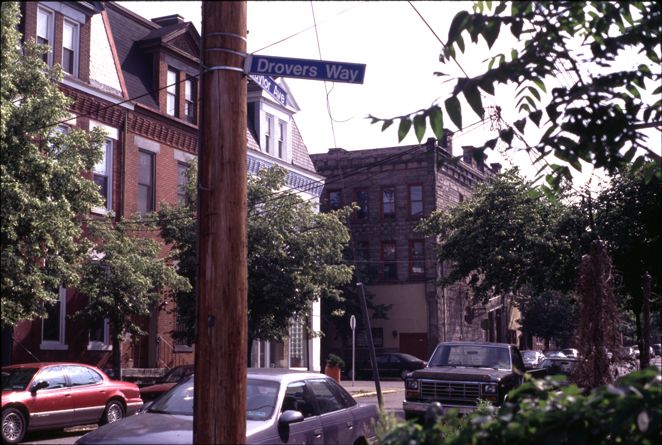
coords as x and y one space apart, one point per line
54 146
99 338
54 376
182 182
53 326
82 375
326 398
416 257
362 202
171 93
189 100
416 201
297 342
281 139
103 174
267 133
145 181
388 202
179 336
45 27
70 47
389 261
335 199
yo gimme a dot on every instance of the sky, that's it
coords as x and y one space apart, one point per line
400 46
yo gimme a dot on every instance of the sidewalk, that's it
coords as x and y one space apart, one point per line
364 388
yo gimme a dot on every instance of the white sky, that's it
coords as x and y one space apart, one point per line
400 52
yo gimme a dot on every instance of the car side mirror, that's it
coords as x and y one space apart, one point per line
290 416
41 384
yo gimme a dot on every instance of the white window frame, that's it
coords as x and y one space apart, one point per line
189 100
75 42
59 344
282 139
171 93
103 345
105 167
50 31
268 132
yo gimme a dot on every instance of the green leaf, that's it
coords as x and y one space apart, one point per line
457 26
535 93
634 91
486 85
538 81
535 117
454 111
516 26
387 123
403 129
419 126
520 124
507 135
436 121
491 32
500 8
473 98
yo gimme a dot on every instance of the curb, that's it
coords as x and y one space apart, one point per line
371 393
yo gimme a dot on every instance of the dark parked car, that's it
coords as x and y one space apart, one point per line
170 379
558 365
392 364
283 406
39 396
532 358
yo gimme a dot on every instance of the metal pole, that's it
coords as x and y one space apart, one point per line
219 414
371 347
352 324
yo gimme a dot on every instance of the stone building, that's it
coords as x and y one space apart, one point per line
394 188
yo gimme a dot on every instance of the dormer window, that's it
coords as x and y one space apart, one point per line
171 93
45 30
267 133
70 47
281 139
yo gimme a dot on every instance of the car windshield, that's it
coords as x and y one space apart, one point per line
529 355
261 399
475 356
176 374
17 379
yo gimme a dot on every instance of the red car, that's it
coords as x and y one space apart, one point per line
39 396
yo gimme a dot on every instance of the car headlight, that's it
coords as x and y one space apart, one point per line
411 385
489 389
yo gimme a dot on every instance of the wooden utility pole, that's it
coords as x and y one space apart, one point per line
221 346
371 347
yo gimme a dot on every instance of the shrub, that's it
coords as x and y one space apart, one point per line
551 412
335 360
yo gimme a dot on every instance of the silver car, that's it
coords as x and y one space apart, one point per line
283 406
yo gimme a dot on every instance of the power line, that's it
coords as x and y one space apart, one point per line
326 88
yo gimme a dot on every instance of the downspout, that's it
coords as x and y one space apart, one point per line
125 140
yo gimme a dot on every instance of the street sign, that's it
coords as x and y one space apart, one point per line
352 322
271 87
305 68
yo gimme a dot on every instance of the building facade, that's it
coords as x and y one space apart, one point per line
138 80
394 188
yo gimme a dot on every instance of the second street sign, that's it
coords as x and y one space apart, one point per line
305 68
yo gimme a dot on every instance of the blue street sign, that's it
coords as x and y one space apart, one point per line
271 87
305 68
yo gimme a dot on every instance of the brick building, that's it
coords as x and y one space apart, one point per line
138 79
394 188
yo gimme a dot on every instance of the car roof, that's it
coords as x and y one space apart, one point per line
282 374
475 343
40 365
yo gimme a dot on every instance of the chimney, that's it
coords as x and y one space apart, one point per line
468 154
446 141
496 167
174 19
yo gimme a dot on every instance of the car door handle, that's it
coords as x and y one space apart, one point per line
350 425
317 433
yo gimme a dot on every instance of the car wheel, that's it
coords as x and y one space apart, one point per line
13 425
114 411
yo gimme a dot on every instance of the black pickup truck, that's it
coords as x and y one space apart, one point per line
460 373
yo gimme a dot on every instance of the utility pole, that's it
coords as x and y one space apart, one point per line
222 340
371 347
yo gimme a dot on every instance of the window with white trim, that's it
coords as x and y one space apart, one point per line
268 131
103 174
53 326
171 93
70 47
281 139
145 181
45 31
182 182
99 335
189 100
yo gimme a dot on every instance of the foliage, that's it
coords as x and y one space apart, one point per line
507 238
550 315
294 254
627 216
335 360
598 118
550 412
124 278
44 194
598 312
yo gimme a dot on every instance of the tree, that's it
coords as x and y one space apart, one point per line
507 238
627 216
45 197
294 254
124 278
550 315
612 51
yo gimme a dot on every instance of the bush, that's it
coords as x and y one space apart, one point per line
334 360
551 412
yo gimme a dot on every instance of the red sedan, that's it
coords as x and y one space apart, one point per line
39 396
